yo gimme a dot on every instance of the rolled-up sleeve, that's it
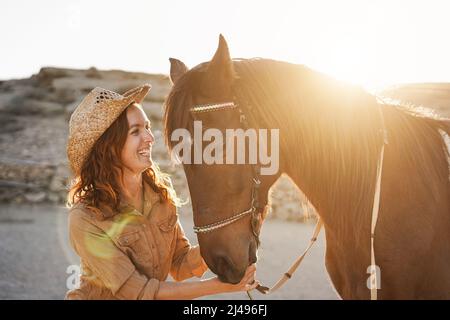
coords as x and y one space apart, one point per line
138 287
187 261
107 261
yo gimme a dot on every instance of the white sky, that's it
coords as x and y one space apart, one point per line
371 43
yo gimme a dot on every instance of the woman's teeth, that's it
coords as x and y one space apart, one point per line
144 152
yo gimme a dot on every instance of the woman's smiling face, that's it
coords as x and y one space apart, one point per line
137 151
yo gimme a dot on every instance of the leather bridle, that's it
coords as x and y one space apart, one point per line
258 213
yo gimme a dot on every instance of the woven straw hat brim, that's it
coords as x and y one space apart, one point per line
93 116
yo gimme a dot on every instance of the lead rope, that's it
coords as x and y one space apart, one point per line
288 275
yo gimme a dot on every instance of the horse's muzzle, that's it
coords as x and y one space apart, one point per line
225 270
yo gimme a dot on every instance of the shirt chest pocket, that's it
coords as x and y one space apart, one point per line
135 245
166 229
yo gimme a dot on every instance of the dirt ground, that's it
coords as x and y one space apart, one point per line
35 256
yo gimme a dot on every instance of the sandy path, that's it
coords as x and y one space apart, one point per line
34 256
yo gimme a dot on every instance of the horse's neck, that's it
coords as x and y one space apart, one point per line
346 217
337 170
342 217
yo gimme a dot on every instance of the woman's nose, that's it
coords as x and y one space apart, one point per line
149 137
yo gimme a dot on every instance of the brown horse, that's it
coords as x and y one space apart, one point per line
330 143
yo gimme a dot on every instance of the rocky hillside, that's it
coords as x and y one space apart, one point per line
34 115
33 126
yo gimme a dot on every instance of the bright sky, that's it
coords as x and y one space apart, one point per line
367 42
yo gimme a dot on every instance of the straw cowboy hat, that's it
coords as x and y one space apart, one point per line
98 110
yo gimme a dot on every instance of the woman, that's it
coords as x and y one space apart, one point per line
123 222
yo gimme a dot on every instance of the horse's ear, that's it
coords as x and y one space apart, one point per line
220 67
177 69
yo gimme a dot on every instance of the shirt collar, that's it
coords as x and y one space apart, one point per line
150 198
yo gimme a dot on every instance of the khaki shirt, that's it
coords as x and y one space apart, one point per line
126 256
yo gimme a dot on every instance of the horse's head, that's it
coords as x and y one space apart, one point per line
228 200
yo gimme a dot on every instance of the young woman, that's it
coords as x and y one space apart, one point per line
123 222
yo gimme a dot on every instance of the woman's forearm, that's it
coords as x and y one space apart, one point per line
190 290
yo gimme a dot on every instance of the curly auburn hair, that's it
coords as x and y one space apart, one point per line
98 186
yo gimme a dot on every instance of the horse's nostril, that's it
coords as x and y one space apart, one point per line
223 263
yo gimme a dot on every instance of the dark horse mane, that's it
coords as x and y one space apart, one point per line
320 117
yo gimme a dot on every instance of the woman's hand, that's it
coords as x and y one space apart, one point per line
247 283
195 289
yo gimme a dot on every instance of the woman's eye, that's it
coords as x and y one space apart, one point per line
135 132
